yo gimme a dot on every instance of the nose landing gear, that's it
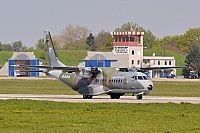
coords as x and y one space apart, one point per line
87 96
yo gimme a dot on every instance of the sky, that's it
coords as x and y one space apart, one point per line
26 20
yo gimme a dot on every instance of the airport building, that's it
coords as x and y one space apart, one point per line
20 58
128 52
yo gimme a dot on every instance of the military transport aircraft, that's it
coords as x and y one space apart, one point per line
92 81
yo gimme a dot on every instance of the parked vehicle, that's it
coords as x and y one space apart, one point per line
193 75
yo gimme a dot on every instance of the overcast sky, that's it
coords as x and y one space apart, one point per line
25 20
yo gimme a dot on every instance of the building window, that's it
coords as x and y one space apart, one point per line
170 62
139 39
120 39
132 62
138 52
138 62
136 38
154 62
131 38
158 62
123 38
116 39
127 39
165 62
133 52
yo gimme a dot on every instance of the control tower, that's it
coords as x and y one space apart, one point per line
129 44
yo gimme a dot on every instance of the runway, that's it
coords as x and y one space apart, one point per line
101 99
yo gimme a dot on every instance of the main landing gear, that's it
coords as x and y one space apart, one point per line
139 97
116 95
87 96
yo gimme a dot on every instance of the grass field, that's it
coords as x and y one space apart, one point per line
11 86
45 86
4 56
27 116
68 57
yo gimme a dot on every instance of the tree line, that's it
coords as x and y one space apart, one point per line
15 46
80 38
181 42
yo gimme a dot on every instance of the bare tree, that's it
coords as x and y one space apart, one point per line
72 34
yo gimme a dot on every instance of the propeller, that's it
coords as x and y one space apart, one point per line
94 72
95 77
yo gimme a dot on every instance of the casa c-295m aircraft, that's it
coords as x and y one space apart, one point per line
92 81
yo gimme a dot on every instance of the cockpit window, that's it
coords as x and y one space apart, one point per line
143 78
134 78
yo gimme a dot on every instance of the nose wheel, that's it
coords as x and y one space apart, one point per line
139 97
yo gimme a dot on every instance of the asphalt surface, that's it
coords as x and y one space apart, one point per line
101 99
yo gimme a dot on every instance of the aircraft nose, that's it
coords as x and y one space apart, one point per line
150 87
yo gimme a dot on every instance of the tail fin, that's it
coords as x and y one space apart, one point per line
50 53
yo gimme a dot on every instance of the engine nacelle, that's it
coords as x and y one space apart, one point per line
86 73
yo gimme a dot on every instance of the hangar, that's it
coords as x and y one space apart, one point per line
20 58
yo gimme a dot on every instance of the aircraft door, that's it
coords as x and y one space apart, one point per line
125 83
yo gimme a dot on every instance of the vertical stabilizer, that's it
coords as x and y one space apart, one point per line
50 53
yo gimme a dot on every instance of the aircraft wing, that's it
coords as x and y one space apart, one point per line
30 71
159 68
67 69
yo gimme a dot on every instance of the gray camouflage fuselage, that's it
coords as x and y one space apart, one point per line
112 81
